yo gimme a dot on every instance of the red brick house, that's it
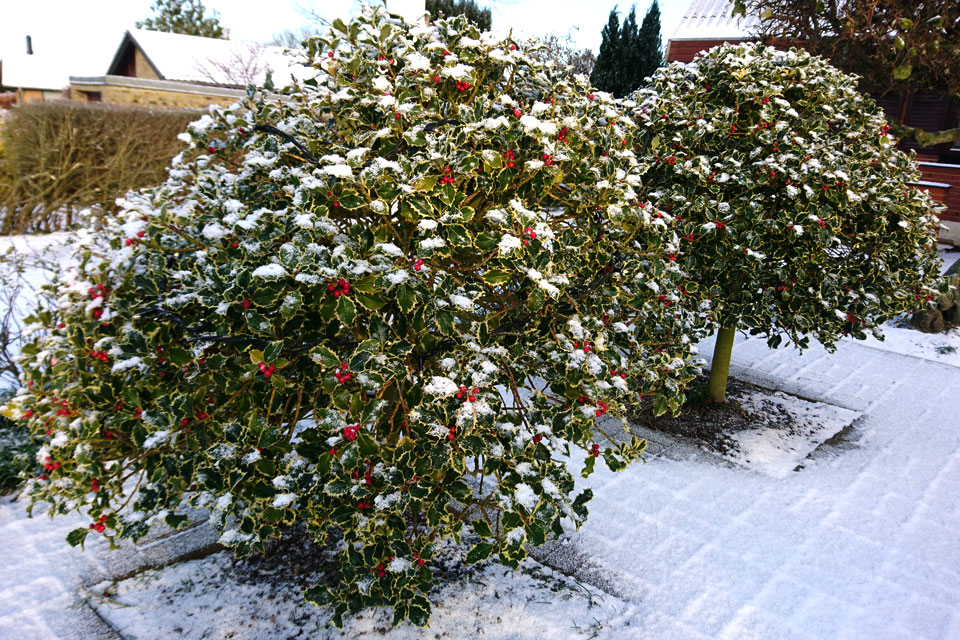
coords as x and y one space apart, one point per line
708 23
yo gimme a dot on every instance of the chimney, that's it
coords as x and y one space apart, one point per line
29 46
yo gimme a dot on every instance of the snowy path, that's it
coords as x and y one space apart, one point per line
863 543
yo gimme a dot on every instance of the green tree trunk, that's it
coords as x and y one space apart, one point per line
720 368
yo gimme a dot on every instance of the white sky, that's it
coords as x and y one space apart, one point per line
84 34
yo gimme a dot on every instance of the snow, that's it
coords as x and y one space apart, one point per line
273 270
775 451
441 386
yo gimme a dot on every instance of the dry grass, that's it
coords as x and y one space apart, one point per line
59 157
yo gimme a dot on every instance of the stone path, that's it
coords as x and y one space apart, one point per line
51 579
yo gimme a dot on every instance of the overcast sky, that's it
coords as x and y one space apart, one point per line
84 34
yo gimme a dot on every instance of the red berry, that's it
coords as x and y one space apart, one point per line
517 113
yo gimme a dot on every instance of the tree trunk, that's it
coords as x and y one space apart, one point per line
720 369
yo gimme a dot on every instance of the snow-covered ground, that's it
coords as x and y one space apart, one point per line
778 451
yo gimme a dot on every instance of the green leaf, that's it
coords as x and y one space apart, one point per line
179 357
77 536
588 466
272 352
406 297
324 356
494 277
482 529
370 301
419 611
352 202
481 551
346 310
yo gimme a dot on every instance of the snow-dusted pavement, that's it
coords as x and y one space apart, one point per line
862 543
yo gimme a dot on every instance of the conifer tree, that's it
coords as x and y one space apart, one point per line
628 54
628 60
604 72
649 48
183 16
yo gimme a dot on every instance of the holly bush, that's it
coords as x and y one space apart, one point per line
394 304
796 215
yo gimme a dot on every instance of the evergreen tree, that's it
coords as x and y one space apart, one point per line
183 16
629 57
449 8
605 70
649 47
628 54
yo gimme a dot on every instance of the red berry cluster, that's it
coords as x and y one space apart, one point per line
615 373
344 375
586 346
379 570
50 464
510 156
595 451
452 434
719 224
338 288
547 159
350 433
99 355
363 505
419 559
562 136
447 179
130 241
471 397
885 130
266 369
95 485
418 264
821 222
602 410
98 526
463 86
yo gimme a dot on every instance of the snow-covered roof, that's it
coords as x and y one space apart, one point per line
34 71
210 60
712 20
